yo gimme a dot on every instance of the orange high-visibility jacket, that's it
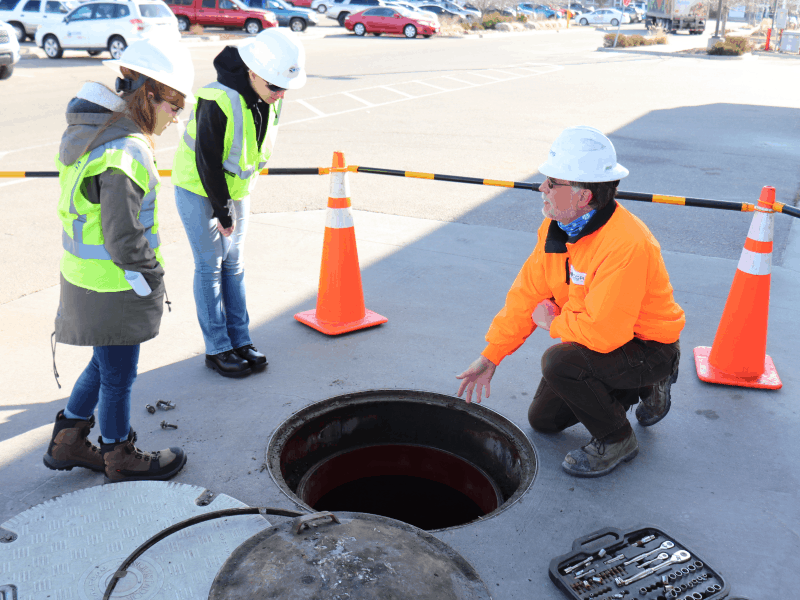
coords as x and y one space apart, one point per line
610 282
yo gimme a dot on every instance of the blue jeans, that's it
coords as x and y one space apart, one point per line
107 382
218 284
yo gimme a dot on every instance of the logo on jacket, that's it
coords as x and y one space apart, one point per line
576 277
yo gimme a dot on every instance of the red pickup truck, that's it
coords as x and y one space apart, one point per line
230 14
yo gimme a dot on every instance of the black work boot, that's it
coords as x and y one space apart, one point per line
254 358
70 446
655 401
600 457
228 364
125 462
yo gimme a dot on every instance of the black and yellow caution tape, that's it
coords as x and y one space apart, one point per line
520 185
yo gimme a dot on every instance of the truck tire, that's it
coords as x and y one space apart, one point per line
297 24
51 47
342 16
19 31
6 71
614 22
183 23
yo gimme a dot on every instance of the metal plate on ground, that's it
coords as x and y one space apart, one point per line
68 548
346 556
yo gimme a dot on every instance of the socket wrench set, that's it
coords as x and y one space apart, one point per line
644 563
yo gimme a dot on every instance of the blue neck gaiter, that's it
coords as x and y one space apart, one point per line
574 228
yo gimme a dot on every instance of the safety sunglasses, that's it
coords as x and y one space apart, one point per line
274 88
553 184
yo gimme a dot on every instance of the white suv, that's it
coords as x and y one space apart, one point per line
9 50
26 15
98 26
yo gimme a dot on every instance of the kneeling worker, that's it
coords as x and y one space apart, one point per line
597 280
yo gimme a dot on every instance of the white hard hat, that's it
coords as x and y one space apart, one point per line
165 61
277 56
583 154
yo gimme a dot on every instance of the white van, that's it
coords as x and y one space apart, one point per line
25 16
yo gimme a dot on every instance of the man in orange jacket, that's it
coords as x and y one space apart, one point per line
597 280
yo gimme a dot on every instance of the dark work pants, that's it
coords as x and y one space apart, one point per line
581 385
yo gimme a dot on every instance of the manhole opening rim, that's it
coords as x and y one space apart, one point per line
489 416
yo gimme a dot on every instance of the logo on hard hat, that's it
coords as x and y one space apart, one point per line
294 69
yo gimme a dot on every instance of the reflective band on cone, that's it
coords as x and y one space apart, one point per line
739 353
340 300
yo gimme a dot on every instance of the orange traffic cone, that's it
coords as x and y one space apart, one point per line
340 301
739 353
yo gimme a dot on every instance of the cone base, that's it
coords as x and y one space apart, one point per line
768 380
309 318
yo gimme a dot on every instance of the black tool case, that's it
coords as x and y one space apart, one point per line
599 568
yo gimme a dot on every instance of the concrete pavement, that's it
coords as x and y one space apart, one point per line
717 473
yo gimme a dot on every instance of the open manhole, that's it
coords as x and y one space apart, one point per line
426 459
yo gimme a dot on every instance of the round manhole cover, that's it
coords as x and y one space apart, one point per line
144 580
348 556
427 459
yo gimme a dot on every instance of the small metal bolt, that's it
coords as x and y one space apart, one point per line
151 409
165 425
165 405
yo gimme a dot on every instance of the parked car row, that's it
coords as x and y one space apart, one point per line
221 13
25 16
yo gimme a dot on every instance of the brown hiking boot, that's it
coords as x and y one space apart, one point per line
70 446
125 462
600 457
655 401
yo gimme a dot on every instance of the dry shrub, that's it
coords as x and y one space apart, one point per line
196 29
627 41
732 46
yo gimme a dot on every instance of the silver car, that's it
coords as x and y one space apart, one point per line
25 16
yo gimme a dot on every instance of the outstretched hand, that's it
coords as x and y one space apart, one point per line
478 375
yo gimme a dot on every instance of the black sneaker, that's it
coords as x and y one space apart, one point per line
655 401
254 358
228 364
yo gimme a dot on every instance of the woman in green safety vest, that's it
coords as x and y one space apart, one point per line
112 290
228 140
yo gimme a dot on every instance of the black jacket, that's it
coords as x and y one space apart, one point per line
211 123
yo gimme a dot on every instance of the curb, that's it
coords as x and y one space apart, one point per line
678 54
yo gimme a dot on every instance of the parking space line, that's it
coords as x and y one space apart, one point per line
391 89
311 108
438 90
505 72
486 76
431 85
354 97
460 80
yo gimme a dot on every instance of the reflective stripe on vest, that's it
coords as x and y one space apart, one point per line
233 161
133 148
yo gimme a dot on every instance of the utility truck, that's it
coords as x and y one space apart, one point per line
678 15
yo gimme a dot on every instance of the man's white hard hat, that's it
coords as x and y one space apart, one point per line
165 61
277 56
583 154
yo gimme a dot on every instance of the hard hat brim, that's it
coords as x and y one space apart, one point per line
548 169
115 65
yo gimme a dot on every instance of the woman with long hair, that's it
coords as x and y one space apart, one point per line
112 289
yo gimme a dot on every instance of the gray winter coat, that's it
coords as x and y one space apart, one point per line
85 317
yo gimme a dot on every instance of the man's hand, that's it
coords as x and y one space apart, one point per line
226 232
479 374
544 313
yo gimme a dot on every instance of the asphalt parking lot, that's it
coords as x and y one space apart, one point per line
436 260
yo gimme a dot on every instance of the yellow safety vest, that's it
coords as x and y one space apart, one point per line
86 262
242 159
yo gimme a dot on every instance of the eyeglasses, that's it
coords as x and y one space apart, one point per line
274 88
553 184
